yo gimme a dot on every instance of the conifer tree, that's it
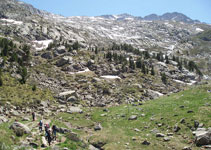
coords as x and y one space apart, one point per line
164 78
152 71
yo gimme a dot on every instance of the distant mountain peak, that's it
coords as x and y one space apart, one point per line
174 16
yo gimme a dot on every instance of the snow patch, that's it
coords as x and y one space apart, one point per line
40 45
199 30
66 93
11 21
84 71
110 77
191 82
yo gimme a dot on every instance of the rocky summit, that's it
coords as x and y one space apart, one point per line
104 82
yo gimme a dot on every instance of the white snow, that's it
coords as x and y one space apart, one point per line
199 30
191 82
160 94
110 77
84 71
11 21
178 81
66 93
40 45
155 92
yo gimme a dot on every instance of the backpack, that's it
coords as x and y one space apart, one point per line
40 123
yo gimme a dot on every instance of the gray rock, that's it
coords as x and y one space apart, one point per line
73 137
44 142
19 127
34 145
64 60
166 139
62 130
72 99
44 103
196 124
72 110
3 119
47 55
14 113
25 119
189 111
61 50
176 128
133 117
182 120
155 131
98 127
170 134
145 142
201 125
91 147
203 138
160 135
187 148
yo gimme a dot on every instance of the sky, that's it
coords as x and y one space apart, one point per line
195 9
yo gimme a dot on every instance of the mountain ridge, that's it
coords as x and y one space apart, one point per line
19 5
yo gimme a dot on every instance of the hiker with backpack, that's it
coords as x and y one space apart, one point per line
33 116
54 132
48 136
40 125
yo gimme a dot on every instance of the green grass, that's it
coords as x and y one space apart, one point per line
21 94
117 130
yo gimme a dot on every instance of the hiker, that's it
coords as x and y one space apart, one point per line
54 132
40 125
33 116
48 136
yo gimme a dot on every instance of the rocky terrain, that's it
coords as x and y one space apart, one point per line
58 66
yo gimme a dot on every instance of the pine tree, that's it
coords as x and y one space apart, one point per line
174 59
164 78
180 65
34 87
131 63
76 45
143 68
152 71
1 81
167 59
138 63
23 74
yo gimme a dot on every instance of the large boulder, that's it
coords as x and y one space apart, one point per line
203 137
47 55
20 128
64 60
72 110
61 50
44 142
